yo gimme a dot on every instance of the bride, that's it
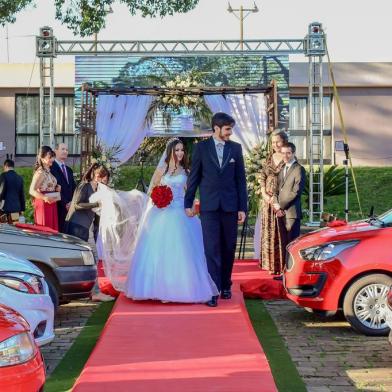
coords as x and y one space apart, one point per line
166 251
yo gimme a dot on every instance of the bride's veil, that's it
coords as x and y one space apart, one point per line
121 215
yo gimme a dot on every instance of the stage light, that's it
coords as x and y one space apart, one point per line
46 42
46 32
315 40
315 29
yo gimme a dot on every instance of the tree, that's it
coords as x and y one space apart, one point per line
86 17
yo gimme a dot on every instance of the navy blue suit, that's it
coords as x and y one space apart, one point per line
11 192
222 195
67 191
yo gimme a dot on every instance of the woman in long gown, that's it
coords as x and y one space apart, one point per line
273 240
168 261
43 186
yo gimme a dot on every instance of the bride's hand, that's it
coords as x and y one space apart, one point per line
189 212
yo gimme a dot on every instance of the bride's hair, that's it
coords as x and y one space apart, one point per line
170 151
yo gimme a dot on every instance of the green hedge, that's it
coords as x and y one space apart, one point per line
374 185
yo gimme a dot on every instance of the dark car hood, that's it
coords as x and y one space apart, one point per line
57 240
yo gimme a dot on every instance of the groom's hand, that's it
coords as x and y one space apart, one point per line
241 217
189 212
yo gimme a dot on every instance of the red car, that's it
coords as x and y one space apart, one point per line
21 365
348 267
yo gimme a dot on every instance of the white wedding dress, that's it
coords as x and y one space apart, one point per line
168 261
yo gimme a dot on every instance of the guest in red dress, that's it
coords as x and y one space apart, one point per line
44 190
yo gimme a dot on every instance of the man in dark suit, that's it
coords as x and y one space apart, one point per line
291 183
12 199
218 170
65 179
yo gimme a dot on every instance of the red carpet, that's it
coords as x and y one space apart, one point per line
150 346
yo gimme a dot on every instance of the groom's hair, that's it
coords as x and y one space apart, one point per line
291 146
222 119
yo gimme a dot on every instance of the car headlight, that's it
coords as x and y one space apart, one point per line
88 258
326 251
26 283
16 349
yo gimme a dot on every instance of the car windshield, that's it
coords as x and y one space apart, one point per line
386 218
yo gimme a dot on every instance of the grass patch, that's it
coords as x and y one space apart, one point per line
285 373
374 187
66 372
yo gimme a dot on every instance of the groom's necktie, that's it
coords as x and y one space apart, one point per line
219 151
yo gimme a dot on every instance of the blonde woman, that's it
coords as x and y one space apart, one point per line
272 255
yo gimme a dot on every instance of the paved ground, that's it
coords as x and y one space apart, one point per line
329 355
69 321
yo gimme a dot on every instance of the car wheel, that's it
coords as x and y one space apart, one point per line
365 304
54 295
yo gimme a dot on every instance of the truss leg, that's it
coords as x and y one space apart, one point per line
46 104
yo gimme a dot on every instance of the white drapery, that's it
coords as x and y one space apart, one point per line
120 122
250 113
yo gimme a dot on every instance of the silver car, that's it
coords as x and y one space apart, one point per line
23 288
67 262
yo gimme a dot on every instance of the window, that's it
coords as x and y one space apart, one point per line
298 127
27 124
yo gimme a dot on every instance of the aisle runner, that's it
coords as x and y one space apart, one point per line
150 346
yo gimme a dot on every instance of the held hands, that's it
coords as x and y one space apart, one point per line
58 188
241 217
189 212
280 213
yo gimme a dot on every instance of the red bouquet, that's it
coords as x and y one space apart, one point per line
161 196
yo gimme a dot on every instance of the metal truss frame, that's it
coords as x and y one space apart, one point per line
312 46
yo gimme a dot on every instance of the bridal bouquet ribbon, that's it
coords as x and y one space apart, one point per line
161 196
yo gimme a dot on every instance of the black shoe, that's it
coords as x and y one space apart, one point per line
226 294
213 302
280 277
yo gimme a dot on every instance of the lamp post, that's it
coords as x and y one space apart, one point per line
241 14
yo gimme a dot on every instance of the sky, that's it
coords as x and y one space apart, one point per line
357 30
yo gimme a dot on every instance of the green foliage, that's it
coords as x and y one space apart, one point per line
375 189
374 185
176 103
283 369
8 9
334 182
86 17
129 176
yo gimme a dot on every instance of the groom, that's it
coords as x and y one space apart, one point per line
218 169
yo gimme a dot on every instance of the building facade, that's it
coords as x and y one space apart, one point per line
365 91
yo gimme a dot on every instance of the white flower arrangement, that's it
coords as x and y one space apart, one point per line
254 163
107 157
175 102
